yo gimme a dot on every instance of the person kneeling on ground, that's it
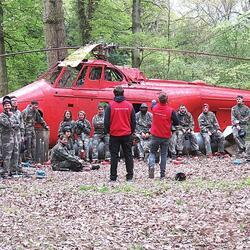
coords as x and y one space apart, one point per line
63 160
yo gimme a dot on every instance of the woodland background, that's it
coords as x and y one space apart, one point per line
213 26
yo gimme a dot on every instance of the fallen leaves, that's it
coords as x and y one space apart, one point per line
83 211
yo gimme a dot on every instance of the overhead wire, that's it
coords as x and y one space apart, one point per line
184 52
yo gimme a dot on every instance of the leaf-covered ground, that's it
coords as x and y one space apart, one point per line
210 210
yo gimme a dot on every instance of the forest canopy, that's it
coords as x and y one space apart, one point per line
218 26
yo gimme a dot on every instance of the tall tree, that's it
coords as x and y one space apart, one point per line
85 11
54 30
136 28
3 69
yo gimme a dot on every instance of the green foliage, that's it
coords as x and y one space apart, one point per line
161 27
23 29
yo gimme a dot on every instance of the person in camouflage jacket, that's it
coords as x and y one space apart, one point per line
31 116
210 130
19 132
82 131
240 114
98 124
184 130
67 122
8 138
142 130
62 159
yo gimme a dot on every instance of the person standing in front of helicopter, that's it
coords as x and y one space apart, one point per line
240 114
8 138
82 131
120 123
31 116
164 117
142 131
19 131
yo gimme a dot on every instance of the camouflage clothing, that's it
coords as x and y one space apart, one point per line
99 136
248 152
240 116
30 118
183 131
82 130
209 127
143 122
143 125
19 134
66 123
62 159
9 143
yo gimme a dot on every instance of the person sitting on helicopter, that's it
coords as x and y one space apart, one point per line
67 122
210 130
82 131
143 125
184 130
98 124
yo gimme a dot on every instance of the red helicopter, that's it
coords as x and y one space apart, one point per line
80 84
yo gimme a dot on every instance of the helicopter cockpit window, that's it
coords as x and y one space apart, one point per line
112 75
52 75
95 73
68 77
82 77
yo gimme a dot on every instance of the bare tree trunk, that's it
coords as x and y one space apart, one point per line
169 20
82 19
136 28
54 30
3 68
85 14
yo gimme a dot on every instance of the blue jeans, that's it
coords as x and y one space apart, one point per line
156 143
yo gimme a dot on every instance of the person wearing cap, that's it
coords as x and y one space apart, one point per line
82 131
71 145
240 116
98 136
164 117
19 131
184 130
67 121
31 116
210 130
8 139
62 159
120 123
142 131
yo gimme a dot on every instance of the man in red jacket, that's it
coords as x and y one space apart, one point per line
119 122
163 118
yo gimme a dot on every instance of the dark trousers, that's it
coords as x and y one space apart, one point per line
66 166
114 147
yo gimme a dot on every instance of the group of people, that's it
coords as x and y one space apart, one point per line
162 131
17 135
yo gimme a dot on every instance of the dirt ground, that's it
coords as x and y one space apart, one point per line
210 210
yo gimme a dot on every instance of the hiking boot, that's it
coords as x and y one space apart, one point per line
179 153
151 173
173 156
209 155
197 153
95 167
